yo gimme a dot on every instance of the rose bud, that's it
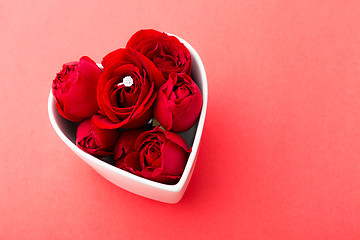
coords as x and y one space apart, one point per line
125 145
126 90
178 104
166 52
74 89
158 155
96 141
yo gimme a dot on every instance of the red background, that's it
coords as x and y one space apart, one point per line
279 157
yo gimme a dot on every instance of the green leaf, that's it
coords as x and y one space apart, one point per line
156 123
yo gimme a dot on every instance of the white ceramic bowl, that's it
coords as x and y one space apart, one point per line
128 181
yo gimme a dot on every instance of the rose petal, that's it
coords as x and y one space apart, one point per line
177 139
132 162
74 89
96 141
125 144
174 159
127 107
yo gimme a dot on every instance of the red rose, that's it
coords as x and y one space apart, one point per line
178 104
96 141
74 89
157 155
166 52
125 145
126 90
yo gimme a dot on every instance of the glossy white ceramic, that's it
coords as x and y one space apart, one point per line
128 181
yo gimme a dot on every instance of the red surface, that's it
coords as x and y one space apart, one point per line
279 158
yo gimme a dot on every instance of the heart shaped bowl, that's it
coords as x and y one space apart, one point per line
66 130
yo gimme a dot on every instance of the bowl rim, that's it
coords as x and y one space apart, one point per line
178 187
